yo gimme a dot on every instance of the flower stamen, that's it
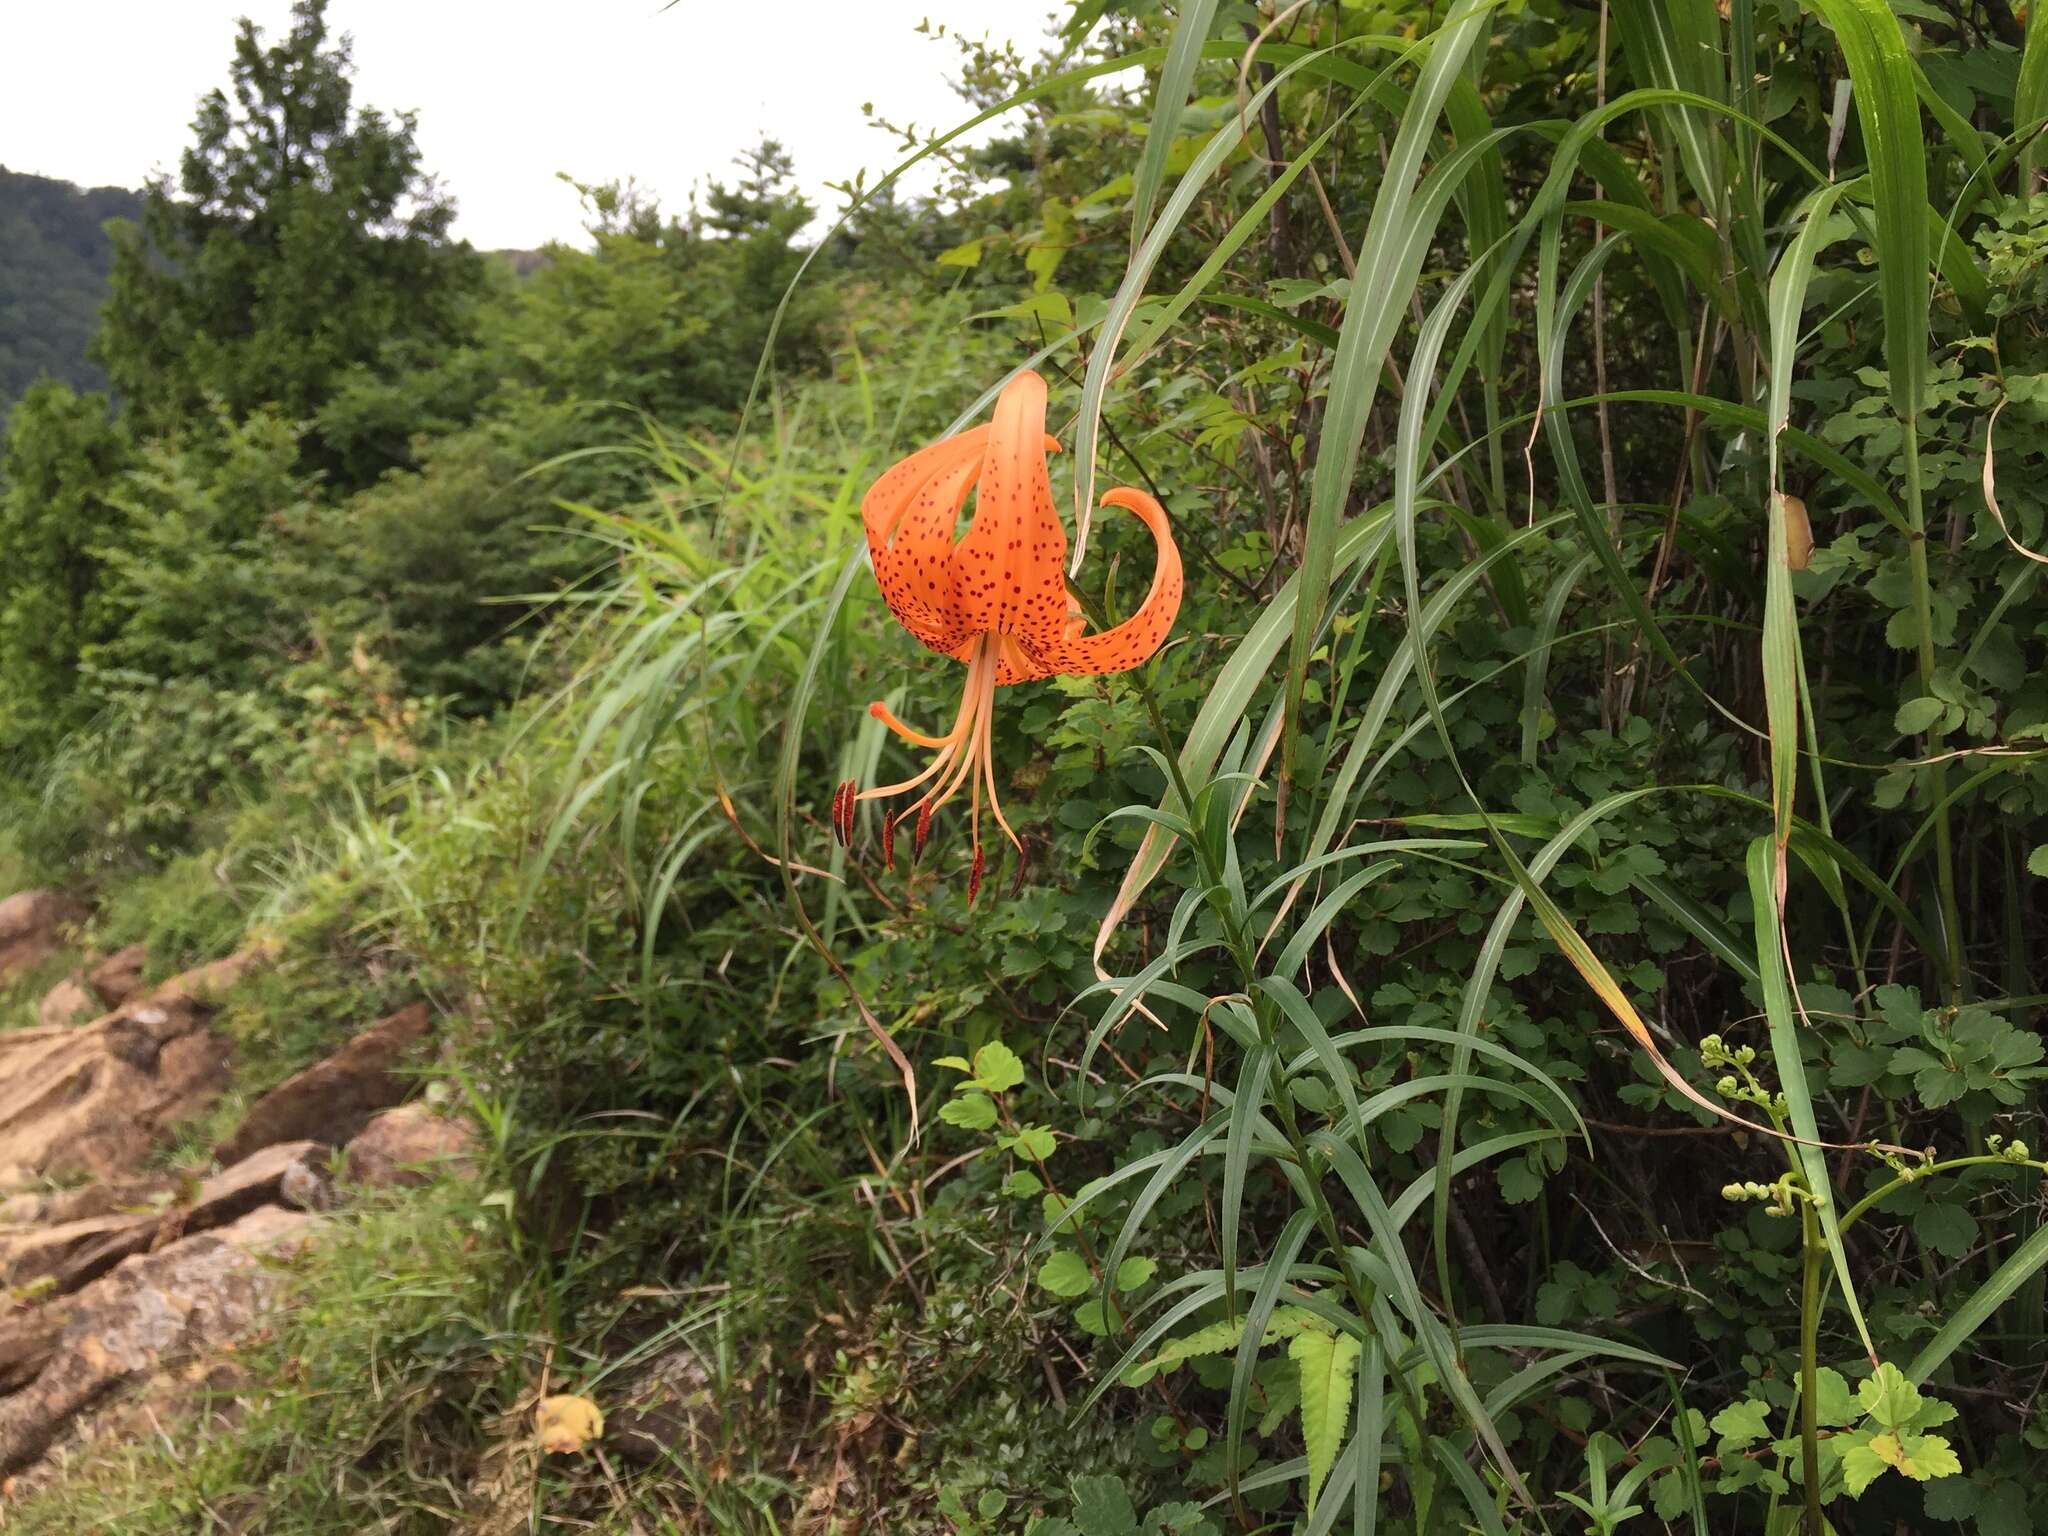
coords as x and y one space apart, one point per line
993 596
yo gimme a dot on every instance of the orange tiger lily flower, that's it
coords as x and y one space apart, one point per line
995 598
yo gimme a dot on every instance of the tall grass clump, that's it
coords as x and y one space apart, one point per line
1610 722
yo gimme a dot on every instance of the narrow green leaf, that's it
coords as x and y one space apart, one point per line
2021 1265
1786 1036
1888 108
1224 711
1371 1433
1389 259
2030 99
1169 100
1124 303
1539 654
1257 1318
1781 623
1252 1082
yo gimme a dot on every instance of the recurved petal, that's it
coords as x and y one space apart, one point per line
1132 642
909 515
1010 563
893 494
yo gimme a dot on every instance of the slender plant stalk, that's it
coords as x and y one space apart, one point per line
1812 1284
1923 613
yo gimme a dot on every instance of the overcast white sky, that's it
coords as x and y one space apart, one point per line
102 92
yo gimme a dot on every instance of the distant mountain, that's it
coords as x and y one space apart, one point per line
54 257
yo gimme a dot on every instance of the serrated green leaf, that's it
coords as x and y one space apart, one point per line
1920 1457
1948 1229
1741 1424
996 1067
969 1111
2004 1510
1861 1466
1212 1340
1327 1364
1102 1507
1033 1141
1952 1498
1181 1519
1834 1403
1888 1397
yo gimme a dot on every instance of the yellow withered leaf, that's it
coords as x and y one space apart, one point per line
566 1423
1798 533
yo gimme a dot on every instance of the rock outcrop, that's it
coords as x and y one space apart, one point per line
65 1004
198 1292
121 1296
67 1254
333 1100
92 1099
659 1413
411 1145
118 977
34 927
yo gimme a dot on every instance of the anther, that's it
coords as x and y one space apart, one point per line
974 876
889 842
924 830
842 813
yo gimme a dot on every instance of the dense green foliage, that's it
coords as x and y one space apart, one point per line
302 239
1608 701
54 259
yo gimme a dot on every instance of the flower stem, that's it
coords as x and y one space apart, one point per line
1814 1253
1937 783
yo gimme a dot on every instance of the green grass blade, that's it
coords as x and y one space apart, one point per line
1372 314
1781 622
2030 100
1196 287
2023 1264
1764 861
1539 655
1387 1249
1253 1079
1169 101
1257 1315
1365 1482
1225 709
1702 922
1102 361
1888 108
